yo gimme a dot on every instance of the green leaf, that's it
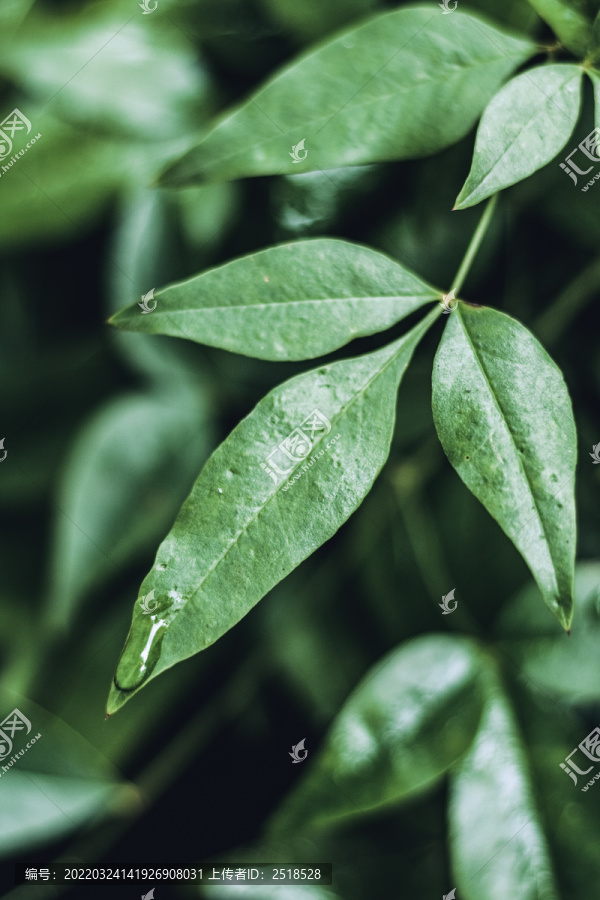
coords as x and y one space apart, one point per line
526 124
411 718
247 524
568 669
235 890
571 25
312 18
79 174
594 75
503 414
131 77
401 85
498 846
12 13
596 35
128 471
294 301
53 786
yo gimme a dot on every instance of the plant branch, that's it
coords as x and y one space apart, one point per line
475 244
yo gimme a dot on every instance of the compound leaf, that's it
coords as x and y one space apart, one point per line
401 85
294 301
256 510
504 417
526 124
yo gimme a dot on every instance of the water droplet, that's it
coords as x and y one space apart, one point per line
160 567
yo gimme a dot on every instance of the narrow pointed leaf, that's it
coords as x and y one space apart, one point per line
401 85
503 414
411 718
497 842
294 301
569 23
257 510
526 124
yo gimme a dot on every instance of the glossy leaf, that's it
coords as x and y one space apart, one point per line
569 23
128 471
294 301
254 514
503 414
497 842
401 85
410 720
526 124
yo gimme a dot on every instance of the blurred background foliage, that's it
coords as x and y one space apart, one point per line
106 432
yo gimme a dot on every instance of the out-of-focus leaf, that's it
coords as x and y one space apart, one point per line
568 21
504 417
122 74
566 667
51 787
12 13
312 203
60 182
207 213
270 892
127 473
410 720
294 301
497 840
244 528
526 124
146 251
404 84
596 35
312 18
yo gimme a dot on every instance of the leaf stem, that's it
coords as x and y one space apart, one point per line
475 244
